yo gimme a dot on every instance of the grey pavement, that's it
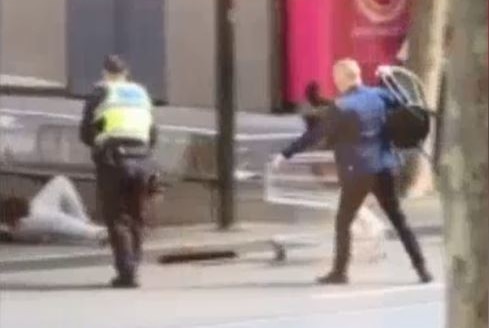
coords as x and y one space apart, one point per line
250 293
424 216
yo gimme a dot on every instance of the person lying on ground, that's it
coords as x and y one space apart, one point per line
55 214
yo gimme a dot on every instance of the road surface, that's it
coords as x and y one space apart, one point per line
249 292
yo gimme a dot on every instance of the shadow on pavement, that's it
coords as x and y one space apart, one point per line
305 284
256 285
28 287
266 262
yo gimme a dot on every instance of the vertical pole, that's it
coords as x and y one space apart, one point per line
278 52
1 43
465 168
225 112
425 59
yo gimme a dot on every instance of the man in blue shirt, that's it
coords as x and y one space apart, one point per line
366 163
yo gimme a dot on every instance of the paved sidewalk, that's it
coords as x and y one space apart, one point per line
201 238
424 215
250 292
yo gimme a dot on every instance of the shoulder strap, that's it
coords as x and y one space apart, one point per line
387 75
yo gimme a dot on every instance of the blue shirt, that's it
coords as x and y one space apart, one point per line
372 153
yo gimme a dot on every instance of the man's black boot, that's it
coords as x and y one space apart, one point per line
424 275
124 282
333 278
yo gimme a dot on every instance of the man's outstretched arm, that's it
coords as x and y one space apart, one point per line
309 138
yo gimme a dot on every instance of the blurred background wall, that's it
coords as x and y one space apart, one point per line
33 39
170 45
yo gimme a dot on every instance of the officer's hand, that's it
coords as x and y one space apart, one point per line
155 184
278 160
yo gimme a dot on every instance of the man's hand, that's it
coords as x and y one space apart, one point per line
278 160
383 70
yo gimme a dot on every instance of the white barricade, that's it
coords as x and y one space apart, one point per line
308 180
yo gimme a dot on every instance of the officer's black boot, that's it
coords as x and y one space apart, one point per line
126 278
124 281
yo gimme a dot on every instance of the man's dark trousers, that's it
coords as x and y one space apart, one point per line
353 193
122 189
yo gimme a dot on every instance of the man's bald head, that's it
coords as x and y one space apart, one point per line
347 74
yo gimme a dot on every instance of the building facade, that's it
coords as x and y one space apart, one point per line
281 45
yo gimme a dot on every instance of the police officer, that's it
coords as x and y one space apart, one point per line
118 125
366 164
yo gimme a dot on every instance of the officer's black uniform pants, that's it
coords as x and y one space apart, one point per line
123 194
353 193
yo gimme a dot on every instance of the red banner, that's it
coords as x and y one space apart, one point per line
319 32
378 31
309 53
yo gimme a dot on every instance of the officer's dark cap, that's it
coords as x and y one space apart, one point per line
115 65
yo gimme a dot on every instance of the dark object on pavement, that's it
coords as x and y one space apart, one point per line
189 255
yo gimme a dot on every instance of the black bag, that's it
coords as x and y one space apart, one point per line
408 126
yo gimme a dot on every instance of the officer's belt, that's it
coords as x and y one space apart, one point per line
126 151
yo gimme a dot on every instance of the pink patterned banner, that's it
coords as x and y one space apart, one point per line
379 29
319 32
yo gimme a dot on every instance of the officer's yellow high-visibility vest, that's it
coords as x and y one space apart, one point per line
126 113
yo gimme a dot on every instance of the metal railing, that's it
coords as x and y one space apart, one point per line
308 180
40 144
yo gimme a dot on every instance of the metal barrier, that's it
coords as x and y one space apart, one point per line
309 180
36 146
29 140
43 145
